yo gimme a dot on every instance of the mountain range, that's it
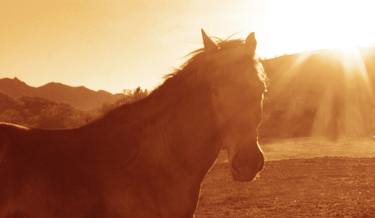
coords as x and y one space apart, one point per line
80 97
323 93
41 113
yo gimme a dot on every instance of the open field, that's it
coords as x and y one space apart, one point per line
301 178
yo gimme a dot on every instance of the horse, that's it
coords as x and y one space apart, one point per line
144 159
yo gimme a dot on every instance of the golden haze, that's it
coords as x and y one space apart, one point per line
115 45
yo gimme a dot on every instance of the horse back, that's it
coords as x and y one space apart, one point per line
57 167
47 165
7 132
46 154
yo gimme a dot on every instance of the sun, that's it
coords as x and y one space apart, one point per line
300 25
337 30
348 51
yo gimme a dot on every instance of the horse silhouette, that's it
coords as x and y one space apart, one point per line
148 158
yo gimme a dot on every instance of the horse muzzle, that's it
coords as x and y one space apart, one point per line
246 167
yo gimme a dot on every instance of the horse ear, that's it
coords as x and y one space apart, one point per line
209 45
251 43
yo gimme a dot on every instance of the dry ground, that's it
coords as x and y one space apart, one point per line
301 178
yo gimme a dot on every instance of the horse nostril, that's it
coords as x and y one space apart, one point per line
241 160
248 162
236 163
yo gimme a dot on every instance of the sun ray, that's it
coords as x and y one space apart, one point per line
343 108
332 86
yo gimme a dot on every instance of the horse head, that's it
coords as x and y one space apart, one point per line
238 86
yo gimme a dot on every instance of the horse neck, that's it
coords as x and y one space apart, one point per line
178 129
185 145
191 134
177 138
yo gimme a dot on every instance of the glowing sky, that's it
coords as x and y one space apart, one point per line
121 44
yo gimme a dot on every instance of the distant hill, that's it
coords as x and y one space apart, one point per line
41 113
323 93
81 97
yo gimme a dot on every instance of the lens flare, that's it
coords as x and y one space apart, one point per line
330 87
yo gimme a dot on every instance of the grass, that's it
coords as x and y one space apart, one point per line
302 177
311 147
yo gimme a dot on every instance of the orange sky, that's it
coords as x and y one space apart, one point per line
120 44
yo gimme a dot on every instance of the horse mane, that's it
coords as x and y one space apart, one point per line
177 80
197 56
